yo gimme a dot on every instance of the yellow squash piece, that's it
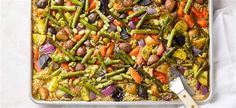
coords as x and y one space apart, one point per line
203 78
180 53
39 39
52 85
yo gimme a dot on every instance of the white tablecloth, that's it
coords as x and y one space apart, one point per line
14 57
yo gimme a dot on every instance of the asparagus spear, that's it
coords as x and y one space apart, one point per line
126 56
65 89
65 8
163 57
109 62
102 85
76 16
144 31
79 43
78 2
89 26
101 61
93 88
87 56
142 72
187 7
62 50
204 65
115 72
102 16
138 13
123 58
54 21
125 9
70 74
141 21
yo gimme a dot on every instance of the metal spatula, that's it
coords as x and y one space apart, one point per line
177 87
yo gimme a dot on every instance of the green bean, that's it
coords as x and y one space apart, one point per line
125 9
170 37
78 2
93 88
127 57
102 16
86 5
109 62
144 31
54 21
204 65
101 61
87 56
88 25
65 8
141 20
102 85
164 57
58 71
70 74
79 43
62 50
123 58
76 16
65 89
187 7
142 72
138 13
115 72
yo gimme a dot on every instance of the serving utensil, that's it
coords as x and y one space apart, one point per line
176 85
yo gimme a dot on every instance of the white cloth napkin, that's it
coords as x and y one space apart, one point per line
224 59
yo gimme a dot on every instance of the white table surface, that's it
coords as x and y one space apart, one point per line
14 56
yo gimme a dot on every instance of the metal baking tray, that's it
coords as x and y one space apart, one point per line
175 102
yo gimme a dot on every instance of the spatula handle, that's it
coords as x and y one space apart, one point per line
187 99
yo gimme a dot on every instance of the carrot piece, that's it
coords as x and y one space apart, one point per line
130 12
92 5
160 50
65 66
204 12
202 22
117 6
135 51
91 1
95 37
35 54
135 19
138 36
117 23
162 77
189 20
78 37
135 75
110 49
95 52
155 37
196 13
139 60
109 69
69 3
180 11
103 50
36 66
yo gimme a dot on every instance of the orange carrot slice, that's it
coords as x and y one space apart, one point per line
135 75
